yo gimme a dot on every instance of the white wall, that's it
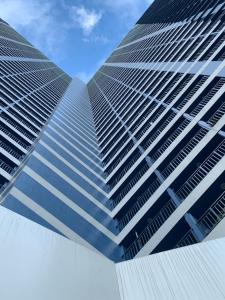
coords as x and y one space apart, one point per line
190 273
37 264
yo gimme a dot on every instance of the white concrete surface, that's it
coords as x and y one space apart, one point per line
38 264
191 273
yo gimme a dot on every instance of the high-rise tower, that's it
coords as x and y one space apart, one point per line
134 162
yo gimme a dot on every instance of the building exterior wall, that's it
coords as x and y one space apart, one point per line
158 107
62 180
31 88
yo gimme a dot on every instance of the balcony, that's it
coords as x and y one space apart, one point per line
11 151
150 230
191 91
217 115
13 137
125 168
130 184
153 135
170 139
18 127
7 168
140 201
208 97
184 152
202 171
209 220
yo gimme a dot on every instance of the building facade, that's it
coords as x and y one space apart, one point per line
132 163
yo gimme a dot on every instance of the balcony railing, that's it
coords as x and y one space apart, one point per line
11 151
18 141
20 129
184 152
7 168
25 122
3 186
207 222
192 92
125 170
158 132
202 171
140 201
213 215
170 139
217 115
150 230
208 97
131 184
210 218
187 239
121 155
178 89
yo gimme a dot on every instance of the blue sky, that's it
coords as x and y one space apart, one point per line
78 35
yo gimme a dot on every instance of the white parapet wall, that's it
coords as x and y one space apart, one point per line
38 264
190 273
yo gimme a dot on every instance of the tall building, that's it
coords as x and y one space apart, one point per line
132 163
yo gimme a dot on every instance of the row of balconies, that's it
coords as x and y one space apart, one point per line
178 52
214 116
210 217
19 53
208 96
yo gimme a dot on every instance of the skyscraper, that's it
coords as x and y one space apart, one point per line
132 163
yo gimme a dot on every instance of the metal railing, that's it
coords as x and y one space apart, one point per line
146 144
217 115
202 171
192 92
187 239
125 170
184 152
11 151
208 97
20 129
178 89
150 230
3 186
170 139
122 154
141 200
18 141
131 184
25 122
113 150
214 214
3 165
213 48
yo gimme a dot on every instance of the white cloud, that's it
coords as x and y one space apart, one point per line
127 3
85 76
22 12
85 19
102 39
36 20
129 9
